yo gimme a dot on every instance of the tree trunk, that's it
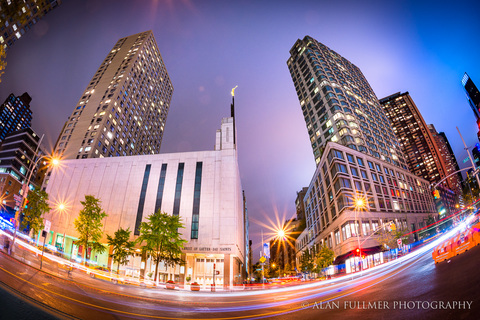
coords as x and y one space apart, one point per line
157 261
118 268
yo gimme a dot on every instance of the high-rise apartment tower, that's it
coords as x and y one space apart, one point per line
15 114
17 17
339 105
416 139
124 107
361 182
473 98
451 164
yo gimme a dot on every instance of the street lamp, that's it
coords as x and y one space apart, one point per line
281 237
62 207
25 186
360 204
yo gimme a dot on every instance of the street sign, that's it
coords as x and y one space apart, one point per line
466 159
262 260
399 242
48 224
266 250
18 200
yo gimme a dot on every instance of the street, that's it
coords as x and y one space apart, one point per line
412 286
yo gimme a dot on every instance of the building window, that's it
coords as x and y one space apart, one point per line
337 237
360 162
349 229
366 227
370 165
161 184
364 174
354 171
196 201
141 202
178 189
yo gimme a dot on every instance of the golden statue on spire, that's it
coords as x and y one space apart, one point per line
233 91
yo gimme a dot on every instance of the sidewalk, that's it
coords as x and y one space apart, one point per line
32 259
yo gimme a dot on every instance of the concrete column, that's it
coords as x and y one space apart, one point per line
226 270
182 276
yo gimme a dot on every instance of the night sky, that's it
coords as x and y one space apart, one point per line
209 47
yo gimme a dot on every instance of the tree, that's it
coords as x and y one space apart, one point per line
470 191
288 268
89 225
37 206
121 246
162 240
432 229
3 61
324 258
388 239
257 271
272 271
306 262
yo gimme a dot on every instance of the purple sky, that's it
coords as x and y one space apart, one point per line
208 46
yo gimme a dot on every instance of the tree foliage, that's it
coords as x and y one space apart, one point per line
257 273
121 246
324 258
161 239
36 207
388 239
288 268
3 61
470 192
306 261
89 225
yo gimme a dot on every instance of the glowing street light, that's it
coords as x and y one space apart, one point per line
360 204
51 161
62 207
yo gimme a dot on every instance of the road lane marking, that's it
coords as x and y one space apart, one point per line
272 313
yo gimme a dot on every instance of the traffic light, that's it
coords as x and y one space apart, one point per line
393 226
358 252
436 194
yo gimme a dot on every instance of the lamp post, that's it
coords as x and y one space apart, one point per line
281 237
62 207
25 187
360 204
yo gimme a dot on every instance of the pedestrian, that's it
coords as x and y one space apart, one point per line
70 270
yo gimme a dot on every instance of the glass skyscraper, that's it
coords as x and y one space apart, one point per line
124 108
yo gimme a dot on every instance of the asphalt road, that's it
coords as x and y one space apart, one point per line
411 287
